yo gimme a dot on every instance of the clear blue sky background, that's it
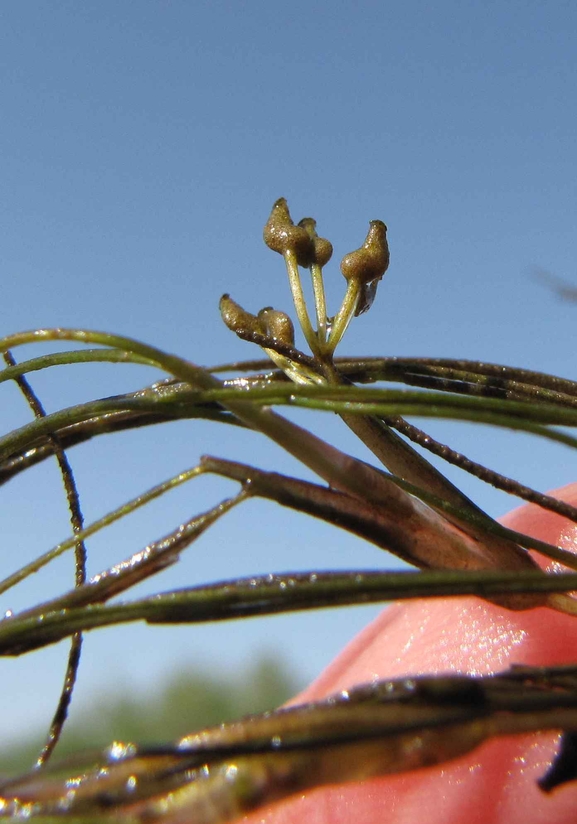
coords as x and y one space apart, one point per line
141 147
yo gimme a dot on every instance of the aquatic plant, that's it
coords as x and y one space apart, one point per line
401 503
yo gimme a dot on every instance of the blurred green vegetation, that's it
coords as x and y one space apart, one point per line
189 700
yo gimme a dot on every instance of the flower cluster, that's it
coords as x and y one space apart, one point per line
302 248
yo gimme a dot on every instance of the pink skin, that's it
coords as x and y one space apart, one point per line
496 782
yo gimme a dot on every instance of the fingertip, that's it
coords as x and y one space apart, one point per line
544 524
496 782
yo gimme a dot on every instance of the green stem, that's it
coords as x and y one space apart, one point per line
320 305
272 594
96 526
299 299
345 314
337 468
66 358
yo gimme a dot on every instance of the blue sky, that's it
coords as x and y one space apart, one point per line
141 148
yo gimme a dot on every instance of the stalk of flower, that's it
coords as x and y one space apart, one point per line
363 270
297 247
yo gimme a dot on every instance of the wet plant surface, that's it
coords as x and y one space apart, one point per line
400 503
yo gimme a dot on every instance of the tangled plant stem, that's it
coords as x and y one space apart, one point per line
403 505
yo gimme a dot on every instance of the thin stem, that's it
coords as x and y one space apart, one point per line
299 299
356 397
273 594
103 424
77 522
345 314
484 474
155 557
44 427
334 466
67 358
385 410
492 375
320 304
96 526
298 374
488 525
452 375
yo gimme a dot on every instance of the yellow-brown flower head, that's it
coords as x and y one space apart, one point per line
282 236
238 319
322 248
368 264
277 325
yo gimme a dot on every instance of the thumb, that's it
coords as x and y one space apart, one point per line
495 783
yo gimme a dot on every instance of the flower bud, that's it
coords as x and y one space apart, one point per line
322 248
238 319
368 264
282 236
277 325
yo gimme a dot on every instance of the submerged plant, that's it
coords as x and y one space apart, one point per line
401 503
